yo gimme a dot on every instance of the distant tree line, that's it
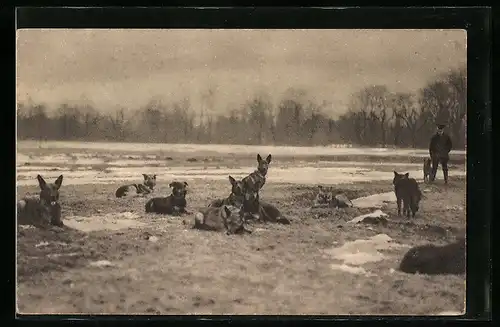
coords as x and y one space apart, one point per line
375 117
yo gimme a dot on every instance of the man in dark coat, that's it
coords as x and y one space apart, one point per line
439 149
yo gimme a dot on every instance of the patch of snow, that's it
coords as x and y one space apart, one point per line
41 244
374 200
102 263
350 269
57 255
359 252
376 214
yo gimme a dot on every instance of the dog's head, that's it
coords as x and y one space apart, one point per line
398 177
234 219
427 163
323 196
238 187
49 192
263 165
149 180
179 189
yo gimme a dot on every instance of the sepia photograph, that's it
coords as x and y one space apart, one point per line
241 171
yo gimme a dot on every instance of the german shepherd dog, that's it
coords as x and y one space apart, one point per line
225 218
427 169
408 192
174 204
256 180
146 187
250 203
44 211
323 199
236 198
326 199
432 260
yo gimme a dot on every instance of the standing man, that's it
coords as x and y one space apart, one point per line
439 149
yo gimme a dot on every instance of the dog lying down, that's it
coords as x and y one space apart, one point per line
435 260
225 218
145 188
44 211
174 204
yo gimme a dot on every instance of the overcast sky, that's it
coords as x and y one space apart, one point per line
127 68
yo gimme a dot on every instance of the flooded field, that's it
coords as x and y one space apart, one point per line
102 163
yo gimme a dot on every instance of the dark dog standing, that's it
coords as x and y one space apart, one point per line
408 192
44 211
427 169
146 187
174 204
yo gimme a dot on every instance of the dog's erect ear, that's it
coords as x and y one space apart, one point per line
407 175
171 184
232 180
59 181
186 184
259 158
320 187
268 159
41 182
396 173
154 176
145 176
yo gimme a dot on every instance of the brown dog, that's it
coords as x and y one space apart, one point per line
235 198
146 187
225 218
44 211
256 180
240 198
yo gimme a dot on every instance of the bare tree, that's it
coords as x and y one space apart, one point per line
118 124
414 117
406 114
359 114
457 80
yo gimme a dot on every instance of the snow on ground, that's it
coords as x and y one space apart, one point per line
356 253
294 175
81 164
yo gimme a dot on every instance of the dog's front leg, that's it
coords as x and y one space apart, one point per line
399 206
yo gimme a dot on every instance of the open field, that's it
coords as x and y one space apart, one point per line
159 265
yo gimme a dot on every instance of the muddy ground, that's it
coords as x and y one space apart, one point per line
164 267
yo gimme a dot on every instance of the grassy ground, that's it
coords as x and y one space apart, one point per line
279 269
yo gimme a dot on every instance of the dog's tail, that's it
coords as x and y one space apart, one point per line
150 206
